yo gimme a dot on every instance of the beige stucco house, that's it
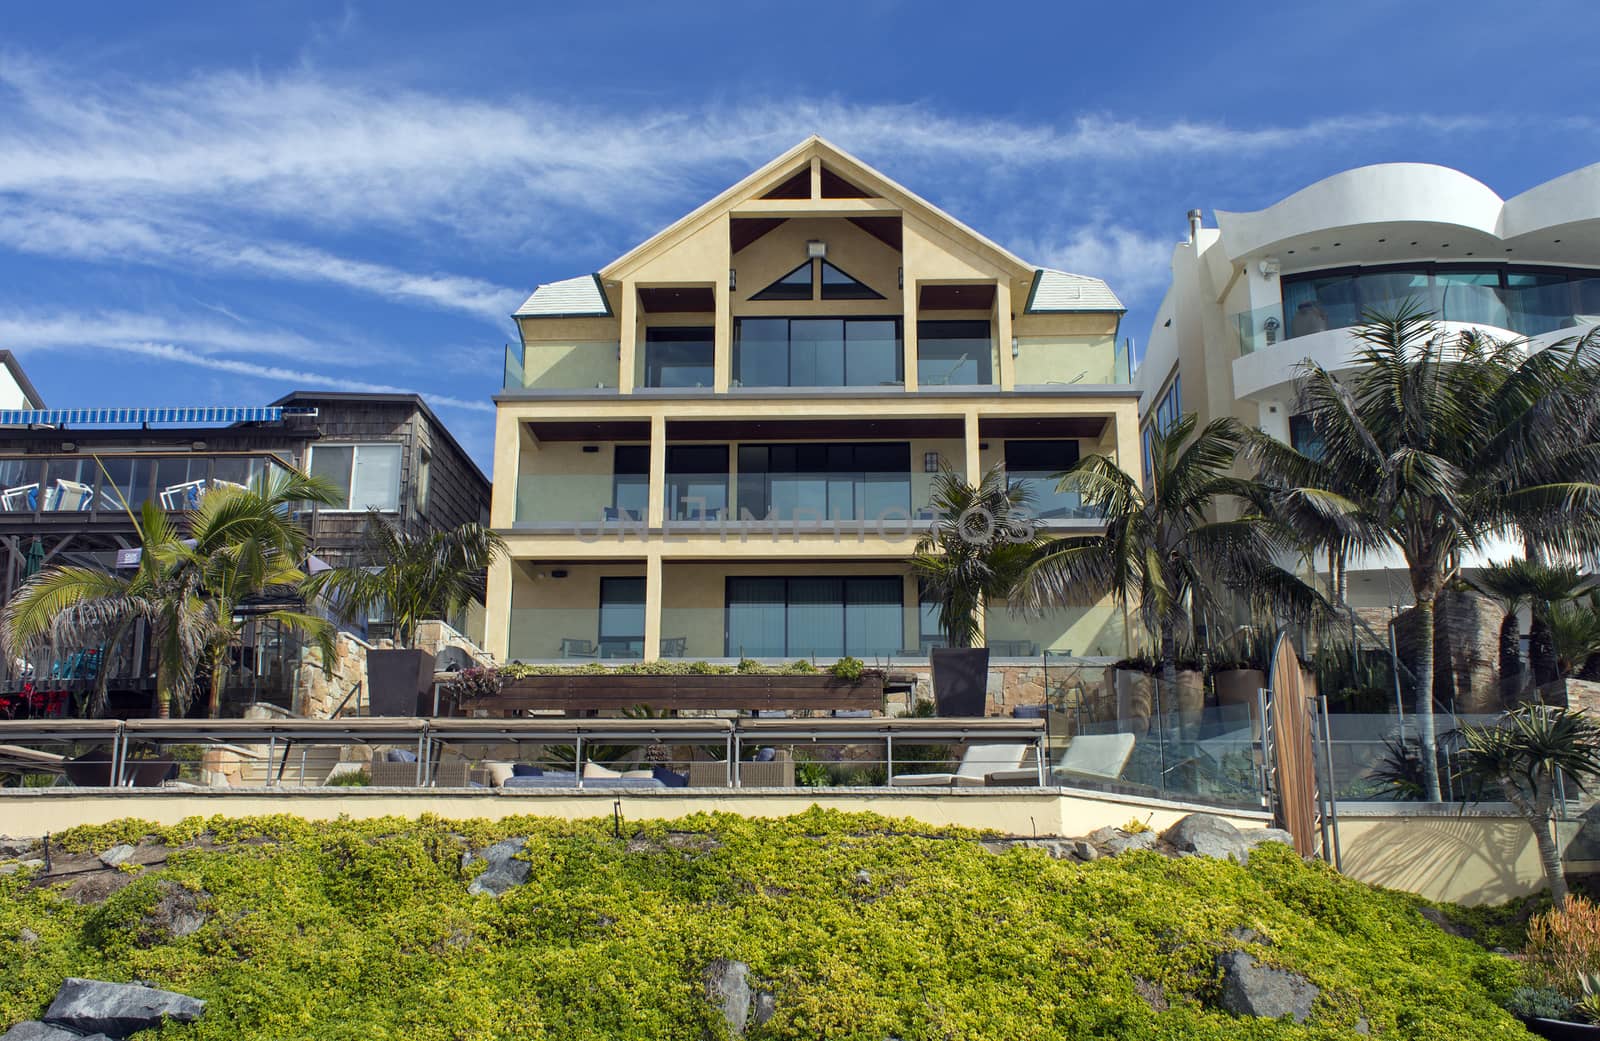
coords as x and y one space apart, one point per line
721 444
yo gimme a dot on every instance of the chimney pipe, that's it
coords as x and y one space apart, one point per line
1194 226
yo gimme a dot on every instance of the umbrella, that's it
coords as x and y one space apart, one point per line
34 559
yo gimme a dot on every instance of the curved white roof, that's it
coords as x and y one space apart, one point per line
1435 202
1062 291
579 297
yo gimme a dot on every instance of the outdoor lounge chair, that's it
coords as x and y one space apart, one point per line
777 772
575 648
978 762
1089 757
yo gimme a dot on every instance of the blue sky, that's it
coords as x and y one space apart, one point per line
211 204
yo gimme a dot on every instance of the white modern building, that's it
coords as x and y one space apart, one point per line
1253 297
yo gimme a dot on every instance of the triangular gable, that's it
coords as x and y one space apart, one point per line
781 172
838 284
795 285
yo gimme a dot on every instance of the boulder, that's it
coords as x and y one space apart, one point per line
1252 989
1085 850
504 872
33 1030
1256 836
1113 841
118 1009
728 989
118 854
1207 835
1442 920
178 912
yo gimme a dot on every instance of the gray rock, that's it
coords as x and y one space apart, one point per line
1440 919
1256 836
178 912
1252 989
33 1030
1207 835
1113 841
1363 1027
766 1005
10 847
118 1009
504 872
863 877
14 866
27 937
118 854
1085 850
728 989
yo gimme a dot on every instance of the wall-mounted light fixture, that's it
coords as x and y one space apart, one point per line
930 462
901 277
69 446
816 248
1015 347
733 280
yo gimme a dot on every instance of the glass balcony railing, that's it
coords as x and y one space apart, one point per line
1048 502
115 484
825 497
575 365
1538 306
577 635
1053 360
582 499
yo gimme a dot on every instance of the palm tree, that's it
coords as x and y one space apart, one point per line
240 543
414 577
245 543
1161 552
1525 753
977 549
76 606
1507 585
1574 635
1435 444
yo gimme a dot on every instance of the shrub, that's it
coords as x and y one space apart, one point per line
1564 946
354 779
848 668
472 683
1539 1003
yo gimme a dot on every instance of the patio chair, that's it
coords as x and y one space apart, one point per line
70 496
185 496
385 774
575 648
977 763
24 498
674 646
1089 757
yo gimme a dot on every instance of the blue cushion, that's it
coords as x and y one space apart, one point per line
670 778
766 755
400 755
525 770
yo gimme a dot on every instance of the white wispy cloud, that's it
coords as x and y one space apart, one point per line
87 329
181 243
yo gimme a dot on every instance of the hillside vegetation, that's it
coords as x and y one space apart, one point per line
858 927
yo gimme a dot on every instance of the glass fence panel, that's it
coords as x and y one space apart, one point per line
580 634
593 500
1050 360
571 365
1378 758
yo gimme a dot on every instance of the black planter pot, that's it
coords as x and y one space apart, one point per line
1562 1030
399 683
960 680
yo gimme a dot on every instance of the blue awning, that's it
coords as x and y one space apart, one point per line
187 416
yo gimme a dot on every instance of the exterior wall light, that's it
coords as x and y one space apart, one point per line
930 462
1015 347
816 248
733 280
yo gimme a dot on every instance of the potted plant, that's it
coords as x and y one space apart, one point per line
1189 696
412 577
1136 691
1239 670
976 552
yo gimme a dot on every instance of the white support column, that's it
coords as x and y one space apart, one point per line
1003 334
722 330
629 343
908 328
497 609
972 460
652 605
656 512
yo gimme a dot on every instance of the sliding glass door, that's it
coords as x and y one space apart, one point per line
823 617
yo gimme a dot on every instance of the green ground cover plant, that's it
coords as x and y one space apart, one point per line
862 927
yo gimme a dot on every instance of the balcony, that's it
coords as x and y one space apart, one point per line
575 365
54 487
1056 360
817 352
1523 303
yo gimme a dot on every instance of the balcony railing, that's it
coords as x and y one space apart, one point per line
578 365
1529 310
76 484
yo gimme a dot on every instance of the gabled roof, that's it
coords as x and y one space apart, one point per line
11 363
580 297
842 163
1052 292
1061 291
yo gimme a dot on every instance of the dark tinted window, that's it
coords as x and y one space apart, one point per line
796 285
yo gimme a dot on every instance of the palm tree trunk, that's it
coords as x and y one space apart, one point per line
164 695
1426 731
1542 648
219 672
1537 814
1510 659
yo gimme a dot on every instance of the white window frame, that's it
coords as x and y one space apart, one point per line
355 461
